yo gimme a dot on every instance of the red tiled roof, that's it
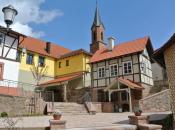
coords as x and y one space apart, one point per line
39 46
62 79
130 83
11 91
126 82
121 49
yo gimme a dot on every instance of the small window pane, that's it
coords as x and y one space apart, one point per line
113 70
29 59
59 65
41 61
101 72
67 62
127 67
18 57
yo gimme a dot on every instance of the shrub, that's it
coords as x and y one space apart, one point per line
4 114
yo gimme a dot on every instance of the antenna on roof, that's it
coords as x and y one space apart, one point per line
96 3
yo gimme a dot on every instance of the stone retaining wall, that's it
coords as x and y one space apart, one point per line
157 102
20 105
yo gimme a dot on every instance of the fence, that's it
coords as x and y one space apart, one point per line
14 88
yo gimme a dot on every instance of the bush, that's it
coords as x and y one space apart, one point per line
4 114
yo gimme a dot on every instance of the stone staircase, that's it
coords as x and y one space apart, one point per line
70 108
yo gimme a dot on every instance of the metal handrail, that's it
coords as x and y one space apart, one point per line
17 82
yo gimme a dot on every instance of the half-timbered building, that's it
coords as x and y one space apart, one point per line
9 65
121 72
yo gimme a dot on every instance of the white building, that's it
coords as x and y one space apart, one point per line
9 65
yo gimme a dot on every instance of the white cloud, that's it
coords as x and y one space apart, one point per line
29 11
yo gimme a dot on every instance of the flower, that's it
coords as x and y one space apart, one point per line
137 109
57 112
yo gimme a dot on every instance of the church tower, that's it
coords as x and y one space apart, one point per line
97 32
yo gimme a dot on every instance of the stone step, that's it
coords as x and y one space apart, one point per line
70 108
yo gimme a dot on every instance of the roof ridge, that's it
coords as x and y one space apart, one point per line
132 40
41 40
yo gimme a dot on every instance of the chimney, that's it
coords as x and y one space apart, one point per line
48 45
111 42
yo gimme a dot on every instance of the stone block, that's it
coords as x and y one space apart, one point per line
136 120
57 124
149 127
107 107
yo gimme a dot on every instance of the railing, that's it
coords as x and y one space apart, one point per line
15 88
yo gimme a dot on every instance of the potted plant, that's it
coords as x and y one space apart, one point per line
57 115
137 111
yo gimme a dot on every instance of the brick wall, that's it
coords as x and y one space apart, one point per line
169 55
157 102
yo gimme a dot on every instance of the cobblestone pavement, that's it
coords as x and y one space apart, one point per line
79 121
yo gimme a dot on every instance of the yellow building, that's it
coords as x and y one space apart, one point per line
54 68
72 76
75 61
37 60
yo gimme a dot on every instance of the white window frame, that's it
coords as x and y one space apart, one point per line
111 69
127 67
100 76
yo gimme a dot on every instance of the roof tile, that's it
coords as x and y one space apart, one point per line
121 49
39 46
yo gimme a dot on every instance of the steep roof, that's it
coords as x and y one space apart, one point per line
158 54
39 46
122 49
76 52
97 19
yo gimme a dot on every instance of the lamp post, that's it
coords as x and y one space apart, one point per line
9 14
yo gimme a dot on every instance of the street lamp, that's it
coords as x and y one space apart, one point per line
9 14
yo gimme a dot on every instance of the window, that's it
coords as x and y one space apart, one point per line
29 59
102 36
95 37
143 67
41 61
114 70
18 56
101 72
1 38
127 67
67 62
59 64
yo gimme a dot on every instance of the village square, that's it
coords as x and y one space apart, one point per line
128 85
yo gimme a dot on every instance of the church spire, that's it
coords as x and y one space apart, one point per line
97 19
97 31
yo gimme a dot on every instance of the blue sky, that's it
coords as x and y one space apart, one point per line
124 19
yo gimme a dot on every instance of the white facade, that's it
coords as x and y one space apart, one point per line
8 47
8 53
11 69
135 67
